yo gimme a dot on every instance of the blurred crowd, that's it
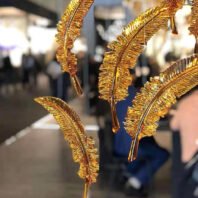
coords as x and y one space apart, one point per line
25 75
30 75
135 179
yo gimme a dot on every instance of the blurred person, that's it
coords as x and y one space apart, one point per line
1 67
93 83
141 65
7 72
185 120
151 156
82 64
30 67
7 65
59 82
54 72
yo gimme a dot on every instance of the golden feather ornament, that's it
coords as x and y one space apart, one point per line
194 22
69 29
114 77
83 147
156 98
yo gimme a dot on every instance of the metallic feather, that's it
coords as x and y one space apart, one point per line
194 22
155 99
69 28
83 147
115 78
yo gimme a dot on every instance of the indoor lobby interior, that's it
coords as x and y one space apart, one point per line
35 159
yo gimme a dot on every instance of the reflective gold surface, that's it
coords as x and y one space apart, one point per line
115 78
194 22
83 147
69 29
156 98
173 25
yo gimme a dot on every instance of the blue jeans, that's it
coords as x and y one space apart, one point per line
150 155
150 158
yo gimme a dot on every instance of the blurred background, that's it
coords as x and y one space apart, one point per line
34 159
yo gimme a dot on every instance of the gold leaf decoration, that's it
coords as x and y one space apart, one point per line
155 99
83 147
69 29
194 22
115 78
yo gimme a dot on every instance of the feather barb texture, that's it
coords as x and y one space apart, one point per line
83 147
114 77
156 98
69 29
194 22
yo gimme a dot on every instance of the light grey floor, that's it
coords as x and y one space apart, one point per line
39 165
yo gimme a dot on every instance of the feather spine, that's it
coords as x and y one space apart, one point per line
115 77
69 29
156 98
82 146
194 23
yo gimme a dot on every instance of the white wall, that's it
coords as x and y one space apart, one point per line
89 29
